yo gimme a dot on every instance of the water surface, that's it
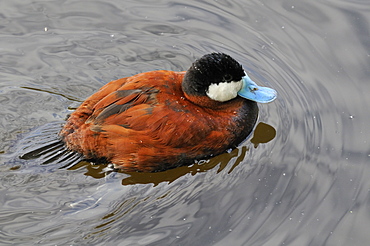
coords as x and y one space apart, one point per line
306 185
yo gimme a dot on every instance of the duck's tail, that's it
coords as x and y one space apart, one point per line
44 146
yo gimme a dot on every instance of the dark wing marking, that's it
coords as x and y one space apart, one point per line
118 102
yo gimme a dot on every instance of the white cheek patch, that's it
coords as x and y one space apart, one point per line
224 91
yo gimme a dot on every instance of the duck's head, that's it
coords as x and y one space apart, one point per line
221 78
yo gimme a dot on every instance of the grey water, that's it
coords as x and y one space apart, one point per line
301 179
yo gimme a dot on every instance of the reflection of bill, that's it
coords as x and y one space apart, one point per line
263 134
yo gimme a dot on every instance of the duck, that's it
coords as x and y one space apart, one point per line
159 120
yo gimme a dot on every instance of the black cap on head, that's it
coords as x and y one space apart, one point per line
211 69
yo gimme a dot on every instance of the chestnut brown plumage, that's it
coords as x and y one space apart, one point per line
158 120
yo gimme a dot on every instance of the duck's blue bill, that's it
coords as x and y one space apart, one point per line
252 91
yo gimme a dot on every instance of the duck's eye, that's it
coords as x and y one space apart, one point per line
228 77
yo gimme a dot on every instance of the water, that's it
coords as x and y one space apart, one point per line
306 185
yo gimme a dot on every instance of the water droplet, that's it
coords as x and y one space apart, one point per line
46 29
